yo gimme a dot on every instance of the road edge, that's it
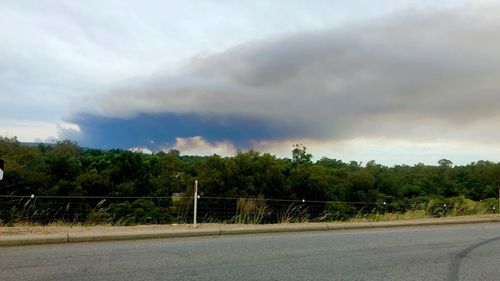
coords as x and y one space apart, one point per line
21 240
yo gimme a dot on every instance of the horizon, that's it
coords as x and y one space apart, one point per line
314 158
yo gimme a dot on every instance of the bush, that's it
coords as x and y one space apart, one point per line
100 218
340 211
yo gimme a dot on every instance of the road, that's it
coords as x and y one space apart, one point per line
459 252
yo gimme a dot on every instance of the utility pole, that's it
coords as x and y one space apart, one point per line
195 202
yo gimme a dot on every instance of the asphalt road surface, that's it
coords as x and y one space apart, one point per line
459 252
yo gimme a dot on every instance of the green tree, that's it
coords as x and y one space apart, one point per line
300 155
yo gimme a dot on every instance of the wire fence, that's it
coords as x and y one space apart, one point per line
179 209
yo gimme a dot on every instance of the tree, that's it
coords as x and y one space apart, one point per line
445 163
299 154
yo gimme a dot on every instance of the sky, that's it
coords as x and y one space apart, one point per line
398 82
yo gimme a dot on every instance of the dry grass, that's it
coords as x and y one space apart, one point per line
374 217
250 211
294 214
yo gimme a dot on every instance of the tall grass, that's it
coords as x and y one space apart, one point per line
294 213
183 210
241 211
99 214
250 211
457 206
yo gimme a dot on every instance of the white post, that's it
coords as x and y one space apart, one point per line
1 169
195 201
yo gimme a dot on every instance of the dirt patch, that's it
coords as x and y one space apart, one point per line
54 229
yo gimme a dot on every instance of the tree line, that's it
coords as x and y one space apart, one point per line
65 169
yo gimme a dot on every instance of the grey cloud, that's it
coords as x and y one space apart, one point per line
409 74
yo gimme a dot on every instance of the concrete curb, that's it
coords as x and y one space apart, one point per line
20 240
94 237
35 239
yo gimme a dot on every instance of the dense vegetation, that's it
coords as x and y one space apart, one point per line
65 169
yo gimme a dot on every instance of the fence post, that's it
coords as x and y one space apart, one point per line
1 169
195 202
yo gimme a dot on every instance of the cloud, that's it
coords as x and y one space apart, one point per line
418 74
37 131
56 56
157 130
199 146
69 127
143 150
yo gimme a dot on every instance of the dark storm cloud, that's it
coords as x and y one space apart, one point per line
155 131
411 75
